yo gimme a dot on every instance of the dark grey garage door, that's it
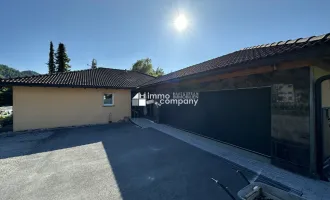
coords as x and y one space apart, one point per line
240 117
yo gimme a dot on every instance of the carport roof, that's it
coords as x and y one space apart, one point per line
266 54
89 78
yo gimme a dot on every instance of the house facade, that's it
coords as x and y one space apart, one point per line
42 107
93 96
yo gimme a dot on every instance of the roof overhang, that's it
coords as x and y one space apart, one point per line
308 56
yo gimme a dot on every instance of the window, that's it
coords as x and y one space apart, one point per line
108 99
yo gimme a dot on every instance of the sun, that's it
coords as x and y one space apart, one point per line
181 22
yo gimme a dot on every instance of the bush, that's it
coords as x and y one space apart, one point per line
5 121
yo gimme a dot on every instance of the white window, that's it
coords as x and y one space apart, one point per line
108 100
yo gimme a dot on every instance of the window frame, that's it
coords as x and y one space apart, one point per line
113 100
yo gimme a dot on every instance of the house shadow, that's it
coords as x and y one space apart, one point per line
141 163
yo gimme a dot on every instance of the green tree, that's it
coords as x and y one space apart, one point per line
158 72
94 64
51 61
62 59
145 66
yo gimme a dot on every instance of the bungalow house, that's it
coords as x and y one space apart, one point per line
268 99
92 96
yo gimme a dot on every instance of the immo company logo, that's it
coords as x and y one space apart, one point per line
139 100
177 98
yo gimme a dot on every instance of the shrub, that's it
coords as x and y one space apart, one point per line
5 121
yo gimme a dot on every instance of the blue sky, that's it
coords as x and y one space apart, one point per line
117 33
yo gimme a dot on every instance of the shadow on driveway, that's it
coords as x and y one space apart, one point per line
116 161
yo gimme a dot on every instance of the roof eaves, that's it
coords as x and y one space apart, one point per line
269 60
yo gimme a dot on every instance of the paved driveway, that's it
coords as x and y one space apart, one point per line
116 161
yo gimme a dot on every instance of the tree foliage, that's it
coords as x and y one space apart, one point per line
28 73
51 61
94 64
159 72
62 59
6 93
145 66
8 72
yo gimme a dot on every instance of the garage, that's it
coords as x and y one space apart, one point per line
240 117
273 115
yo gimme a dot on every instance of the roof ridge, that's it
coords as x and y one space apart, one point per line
39 75
95 78
67 72
290 41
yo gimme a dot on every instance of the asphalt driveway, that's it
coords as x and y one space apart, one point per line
116 161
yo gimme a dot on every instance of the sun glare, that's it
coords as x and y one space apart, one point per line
181 23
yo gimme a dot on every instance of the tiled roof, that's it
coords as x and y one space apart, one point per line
247 56
89 78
